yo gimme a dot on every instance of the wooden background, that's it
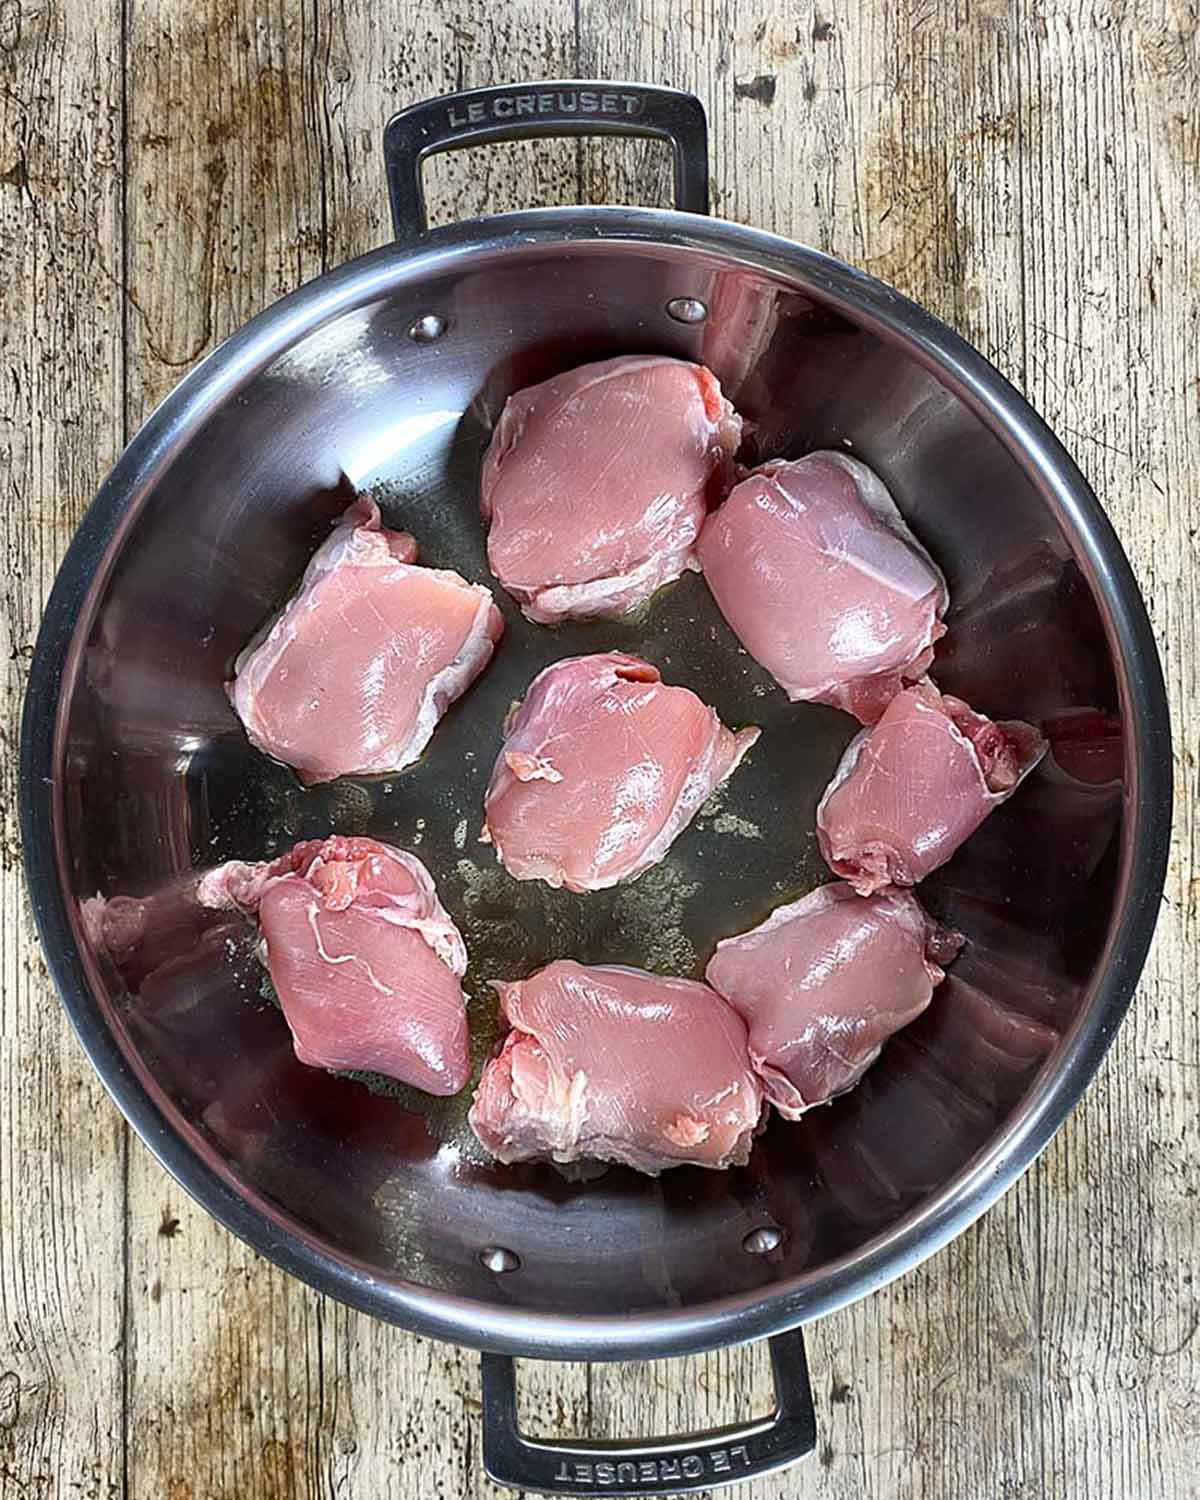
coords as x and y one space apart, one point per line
1028 170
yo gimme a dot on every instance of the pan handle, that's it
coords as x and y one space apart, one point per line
481 117
649 1466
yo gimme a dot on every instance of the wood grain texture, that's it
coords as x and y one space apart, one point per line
61 1143
1026 170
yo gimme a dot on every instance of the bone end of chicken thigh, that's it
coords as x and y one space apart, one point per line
603 765
614 1064
912 788
354 674
824 982
821 579
597 481
363 956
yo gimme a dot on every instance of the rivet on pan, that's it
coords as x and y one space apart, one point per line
425 330
687 310
497 1258
763 1240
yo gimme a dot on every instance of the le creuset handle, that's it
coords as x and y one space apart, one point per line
649 1466
481 117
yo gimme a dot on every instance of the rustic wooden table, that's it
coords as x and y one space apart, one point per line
1026 169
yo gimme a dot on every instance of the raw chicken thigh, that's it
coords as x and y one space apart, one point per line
595 483
602 766
911 789
353 676
823 983
364 957
818 574
614 1064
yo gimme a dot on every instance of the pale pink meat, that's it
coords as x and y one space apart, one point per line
602 766
596 483
614 1064
353 676
824 584
823 983
365 959
909 790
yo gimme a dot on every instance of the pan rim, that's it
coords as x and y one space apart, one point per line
1146 829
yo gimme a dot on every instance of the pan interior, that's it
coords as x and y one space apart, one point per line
158 780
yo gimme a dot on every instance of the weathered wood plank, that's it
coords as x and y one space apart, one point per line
61 1142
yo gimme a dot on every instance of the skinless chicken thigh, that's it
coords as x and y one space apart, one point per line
823 983
614 1064
911 789
363 956
603 765
824 584
353 676
595 484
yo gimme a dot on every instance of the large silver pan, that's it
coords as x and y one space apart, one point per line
388 372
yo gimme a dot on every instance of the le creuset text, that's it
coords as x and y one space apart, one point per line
562 101
651 1470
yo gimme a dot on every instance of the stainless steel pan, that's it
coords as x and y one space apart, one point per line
389 372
